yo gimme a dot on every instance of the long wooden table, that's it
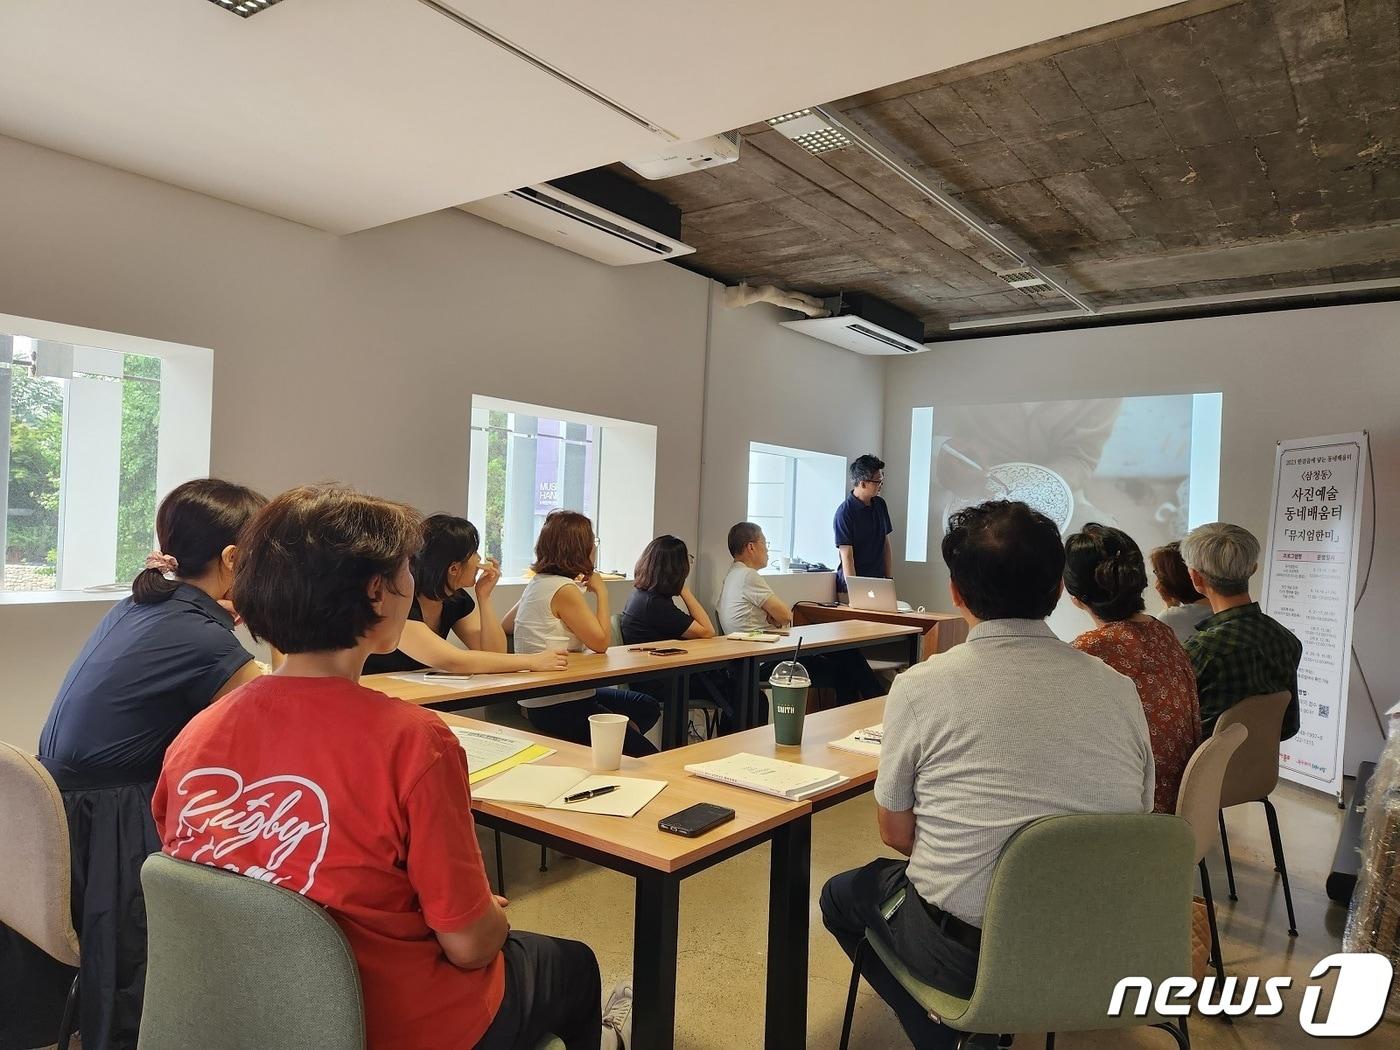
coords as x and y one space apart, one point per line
658 862
941 631
622 664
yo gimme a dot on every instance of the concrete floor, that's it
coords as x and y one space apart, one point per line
724 923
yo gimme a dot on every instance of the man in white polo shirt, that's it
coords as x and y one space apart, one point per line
1010 726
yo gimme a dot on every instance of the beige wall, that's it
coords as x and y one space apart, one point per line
355 358
1288 374
770 384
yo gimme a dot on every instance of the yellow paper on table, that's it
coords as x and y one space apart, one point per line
531 754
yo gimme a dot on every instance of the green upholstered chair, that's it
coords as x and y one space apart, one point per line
1076 904
235 962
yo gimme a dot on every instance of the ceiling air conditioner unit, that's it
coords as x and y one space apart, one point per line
595 214
865 324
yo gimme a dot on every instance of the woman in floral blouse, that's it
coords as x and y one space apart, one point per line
1106 577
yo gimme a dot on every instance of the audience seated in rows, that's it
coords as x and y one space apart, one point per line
979 741
747 603
554 614
1237 651
448 565
1105 576
1185 606
381 836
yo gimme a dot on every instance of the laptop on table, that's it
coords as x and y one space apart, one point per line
871 593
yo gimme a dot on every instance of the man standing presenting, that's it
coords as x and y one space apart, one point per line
862 525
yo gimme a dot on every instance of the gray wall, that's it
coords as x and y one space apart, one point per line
355 358
1287 374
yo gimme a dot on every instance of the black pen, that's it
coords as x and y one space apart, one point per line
584 796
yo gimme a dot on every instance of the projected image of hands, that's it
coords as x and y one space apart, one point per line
1149 465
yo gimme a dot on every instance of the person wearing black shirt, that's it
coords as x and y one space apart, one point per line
155 661
652 615
449 563
862 525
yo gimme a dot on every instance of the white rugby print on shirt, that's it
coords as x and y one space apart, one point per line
274 829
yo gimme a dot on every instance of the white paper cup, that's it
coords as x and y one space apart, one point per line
606 733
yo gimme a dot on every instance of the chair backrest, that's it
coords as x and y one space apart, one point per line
35 871
1198 801
1253 772
1076 904
616 626
236 962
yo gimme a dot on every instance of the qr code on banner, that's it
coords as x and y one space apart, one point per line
1324 710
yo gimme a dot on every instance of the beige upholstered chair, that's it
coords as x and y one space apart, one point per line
1198 801
35 872
1253 775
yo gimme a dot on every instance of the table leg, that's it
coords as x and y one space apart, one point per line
675 713
758 708
654 939
789 893
916 648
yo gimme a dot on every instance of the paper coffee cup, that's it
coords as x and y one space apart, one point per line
606 734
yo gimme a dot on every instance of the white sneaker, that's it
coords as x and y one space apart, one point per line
617 1016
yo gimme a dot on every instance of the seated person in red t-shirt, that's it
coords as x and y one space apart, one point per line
361 802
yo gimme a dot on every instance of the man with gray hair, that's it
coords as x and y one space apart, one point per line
1237 651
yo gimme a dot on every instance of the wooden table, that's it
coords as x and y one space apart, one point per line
658 862
941 631
620 664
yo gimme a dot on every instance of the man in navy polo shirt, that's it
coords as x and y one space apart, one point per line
862 525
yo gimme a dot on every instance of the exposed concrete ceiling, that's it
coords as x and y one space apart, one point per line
1213 147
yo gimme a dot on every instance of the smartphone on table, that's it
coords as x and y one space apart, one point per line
696 820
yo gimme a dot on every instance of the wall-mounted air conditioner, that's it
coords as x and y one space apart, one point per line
865 324
549 213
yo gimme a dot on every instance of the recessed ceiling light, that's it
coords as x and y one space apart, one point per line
244 8
809 131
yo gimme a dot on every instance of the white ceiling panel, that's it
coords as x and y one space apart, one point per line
347 114
701 68
342 114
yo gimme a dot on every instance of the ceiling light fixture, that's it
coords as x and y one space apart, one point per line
952 207
809 131
244 8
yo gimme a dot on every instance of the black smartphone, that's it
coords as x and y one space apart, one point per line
667 652
696 820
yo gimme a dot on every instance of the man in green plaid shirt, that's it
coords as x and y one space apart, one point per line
1238 651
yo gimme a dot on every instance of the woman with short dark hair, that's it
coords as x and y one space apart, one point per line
448 564
651 614
363 801
1105 577
1186 606
554 613
156 660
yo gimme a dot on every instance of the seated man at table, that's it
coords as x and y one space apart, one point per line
361 803
1238 650
1010 726
747 603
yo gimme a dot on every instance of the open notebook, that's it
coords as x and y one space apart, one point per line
546 787
772 776
863 741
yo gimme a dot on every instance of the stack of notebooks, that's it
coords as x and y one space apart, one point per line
491 753
862 742
790 780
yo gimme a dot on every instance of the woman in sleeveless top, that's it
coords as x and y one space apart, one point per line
554 613
449 563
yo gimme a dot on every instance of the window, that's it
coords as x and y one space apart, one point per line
527 460
793 495
89 441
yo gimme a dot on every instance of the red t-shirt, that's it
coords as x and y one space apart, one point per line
359 802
